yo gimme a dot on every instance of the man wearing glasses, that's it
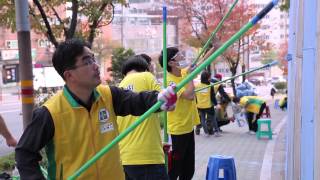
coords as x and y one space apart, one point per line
80 120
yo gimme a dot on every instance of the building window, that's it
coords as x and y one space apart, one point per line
11 44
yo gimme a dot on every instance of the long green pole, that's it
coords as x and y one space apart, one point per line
191 76
233 77
165 64
205 47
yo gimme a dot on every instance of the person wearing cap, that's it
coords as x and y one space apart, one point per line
219 88
182 120
141 151
254 106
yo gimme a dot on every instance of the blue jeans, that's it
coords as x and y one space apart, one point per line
146 172
208 121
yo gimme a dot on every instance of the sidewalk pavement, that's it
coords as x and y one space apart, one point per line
255 159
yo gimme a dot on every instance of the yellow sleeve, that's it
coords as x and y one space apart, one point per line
155 85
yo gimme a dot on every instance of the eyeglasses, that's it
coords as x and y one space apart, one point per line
177 54
87 60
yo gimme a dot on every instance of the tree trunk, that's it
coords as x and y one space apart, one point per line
233 73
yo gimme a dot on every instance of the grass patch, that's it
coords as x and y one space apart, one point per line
7 163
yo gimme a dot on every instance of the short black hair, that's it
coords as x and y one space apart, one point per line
205 76
65 55
171 52
137 63
236 99
147 58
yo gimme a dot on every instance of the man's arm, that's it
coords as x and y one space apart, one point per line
126 102
37 134
189 93
11 141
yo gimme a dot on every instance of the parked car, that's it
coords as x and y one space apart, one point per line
254 81
277 79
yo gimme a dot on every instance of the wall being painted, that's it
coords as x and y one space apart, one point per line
304 71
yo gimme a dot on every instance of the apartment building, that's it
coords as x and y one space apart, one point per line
274 29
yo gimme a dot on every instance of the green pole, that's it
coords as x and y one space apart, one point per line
205 47
165 64
233 77
156 106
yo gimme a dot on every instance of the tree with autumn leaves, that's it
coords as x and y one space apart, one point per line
199 18
51 19
282 55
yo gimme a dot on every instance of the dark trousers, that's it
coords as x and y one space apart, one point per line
222 123
146 172
183 157
253 124
208 120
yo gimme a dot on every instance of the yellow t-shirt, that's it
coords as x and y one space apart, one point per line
203 96
185 115
252 103
143 145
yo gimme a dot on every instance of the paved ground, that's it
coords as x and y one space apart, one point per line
251 155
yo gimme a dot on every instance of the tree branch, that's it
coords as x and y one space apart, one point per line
96 20
190 21
50 34
110 21
74 19
59 19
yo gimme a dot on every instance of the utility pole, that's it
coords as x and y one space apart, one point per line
25 61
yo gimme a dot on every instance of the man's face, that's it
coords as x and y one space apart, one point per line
86 71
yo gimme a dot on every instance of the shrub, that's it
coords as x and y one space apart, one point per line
7 163
280 85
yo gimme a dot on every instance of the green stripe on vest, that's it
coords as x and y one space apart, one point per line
255 101
51 160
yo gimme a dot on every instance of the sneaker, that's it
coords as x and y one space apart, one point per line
211 132
206 135
217 134
252 132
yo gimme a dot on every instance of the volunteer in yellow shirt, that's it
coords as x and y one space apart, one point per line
141 151
205 103
254 105
182 119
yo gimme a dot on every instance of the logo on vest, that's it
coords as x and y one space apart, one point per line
130 87
106 127
103 115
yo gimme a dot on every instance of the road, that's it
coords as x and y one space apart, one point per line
10 109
